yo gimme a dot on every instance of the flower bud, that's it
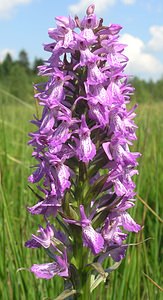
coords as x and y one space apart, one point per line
90 10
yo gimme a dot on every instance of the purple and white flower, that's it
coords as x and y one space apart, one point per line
82 147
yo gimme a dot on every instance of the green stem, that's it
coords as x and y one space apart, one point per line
84 292
86 288
83 259
81 254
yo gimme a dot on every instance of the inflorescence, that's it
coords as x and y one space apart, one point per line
84 164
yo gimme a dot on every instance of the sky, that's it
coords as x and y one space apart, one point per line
24 25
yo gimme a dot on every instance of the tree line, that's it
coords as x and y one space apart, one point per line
18 76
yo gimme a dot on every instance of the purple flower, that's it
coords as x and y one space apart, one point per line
46 207
86 150
91 238
95 75
38 174
64 32
117 253
59 173
49 270
85 54
128 223
118 150
54 92
112 234
47 123
43 239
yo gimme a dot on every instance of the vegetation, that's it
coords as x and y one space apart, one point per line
137 276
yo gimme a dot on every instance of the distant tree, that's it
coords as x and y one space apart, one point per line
37 62
142 91
18 82
1 71
23 59
6 64
159 89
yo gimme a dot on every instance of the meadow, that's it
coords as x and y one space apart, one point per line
140 272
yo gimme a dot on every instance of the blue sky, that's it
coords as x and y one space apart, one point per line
24 25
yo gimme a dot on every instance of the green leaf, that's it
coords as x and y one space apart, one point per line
96 188
63 224
68 211
98 185
113 267
82 171
98 267
98 164
102 212
102 277
100 218
58 243
97 281
66 294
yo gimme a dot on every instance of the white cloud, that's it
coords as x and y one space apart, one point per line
141 62
156 41
81 6
3 53
7 7
128 2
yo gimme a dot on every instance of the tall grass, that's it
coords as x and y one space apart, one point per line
131 280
